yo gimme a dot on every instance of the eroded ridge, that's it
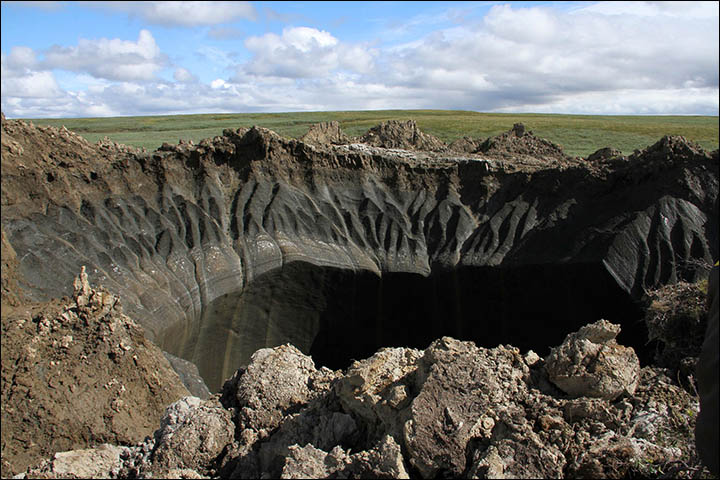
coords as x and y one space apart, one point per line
188 234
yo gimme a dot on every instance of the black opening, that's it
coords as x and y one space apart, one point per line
338 315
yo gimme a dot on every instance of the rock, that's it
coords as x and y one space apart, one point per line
99 462
378 389
193 436
591 363
189 375
706 431
382 461
472 394
274 385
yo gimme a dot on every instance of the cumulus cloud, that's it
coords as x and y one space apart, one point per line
303 52
183 14
536 56
112 59
606 58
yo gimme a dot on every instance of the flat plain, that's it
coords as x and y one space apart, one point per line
579 135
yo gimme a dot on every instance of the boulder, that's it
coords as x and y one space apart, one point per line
591 363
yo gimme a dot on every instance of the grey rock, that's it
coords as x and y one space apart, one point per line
103 461
189 375
193 436
591 363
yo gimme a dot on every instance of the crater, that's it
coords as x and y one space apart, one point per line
338 315
250 240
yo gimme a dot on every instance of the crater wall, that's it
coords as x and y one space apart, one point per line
251 240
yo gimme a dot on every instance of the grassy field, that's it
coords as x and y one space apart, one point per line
579 135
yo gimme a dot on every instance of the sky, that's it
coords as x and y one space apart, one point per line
121 58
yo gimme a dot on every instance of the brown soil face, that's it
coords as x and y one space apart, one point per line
77 372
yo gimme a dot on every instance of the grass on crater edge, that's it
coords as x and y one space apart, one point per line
579 135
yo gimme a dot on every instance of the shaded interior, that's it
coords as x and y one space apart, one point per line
337 315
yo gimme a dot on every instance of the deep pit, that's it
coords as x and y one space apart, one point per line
337 315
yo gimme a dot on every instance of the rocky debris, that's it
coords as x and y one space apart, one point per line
459 410
103 461
518 141
191 439
671 148
591 363
676 322
77 372
382 461
405 135
326 133
708 367
605 154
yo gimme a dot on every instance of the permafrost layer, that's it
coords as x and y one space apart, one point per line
252 240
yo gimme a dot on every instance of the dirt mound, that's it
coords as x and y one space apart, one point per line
77 372
405 135
604 154
324 133
465 145
517 141
672 148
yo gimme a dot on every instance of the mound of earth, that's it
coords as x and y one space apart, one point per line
519 142
401 134
450 410
77 372
324 133
465 145
604 154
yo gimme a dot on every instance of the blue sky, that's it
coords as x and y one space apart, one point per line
76 59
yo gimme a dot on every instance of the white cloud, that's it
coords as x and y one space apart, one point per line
182 75
113 59
606 58
303 52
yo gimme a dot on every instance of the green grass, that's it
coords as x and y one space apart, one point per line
579 135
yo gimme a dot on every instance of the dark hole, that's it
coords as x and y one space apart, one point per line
338 315
50 177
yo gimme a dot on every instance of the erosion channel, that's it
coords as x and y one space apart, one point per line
251 240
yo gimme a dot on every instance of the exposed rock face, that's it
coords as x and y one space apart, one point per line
250 240
77 372
454 409
590 363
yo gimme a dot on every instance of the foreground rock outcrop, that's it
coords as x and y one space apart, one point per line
453 409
